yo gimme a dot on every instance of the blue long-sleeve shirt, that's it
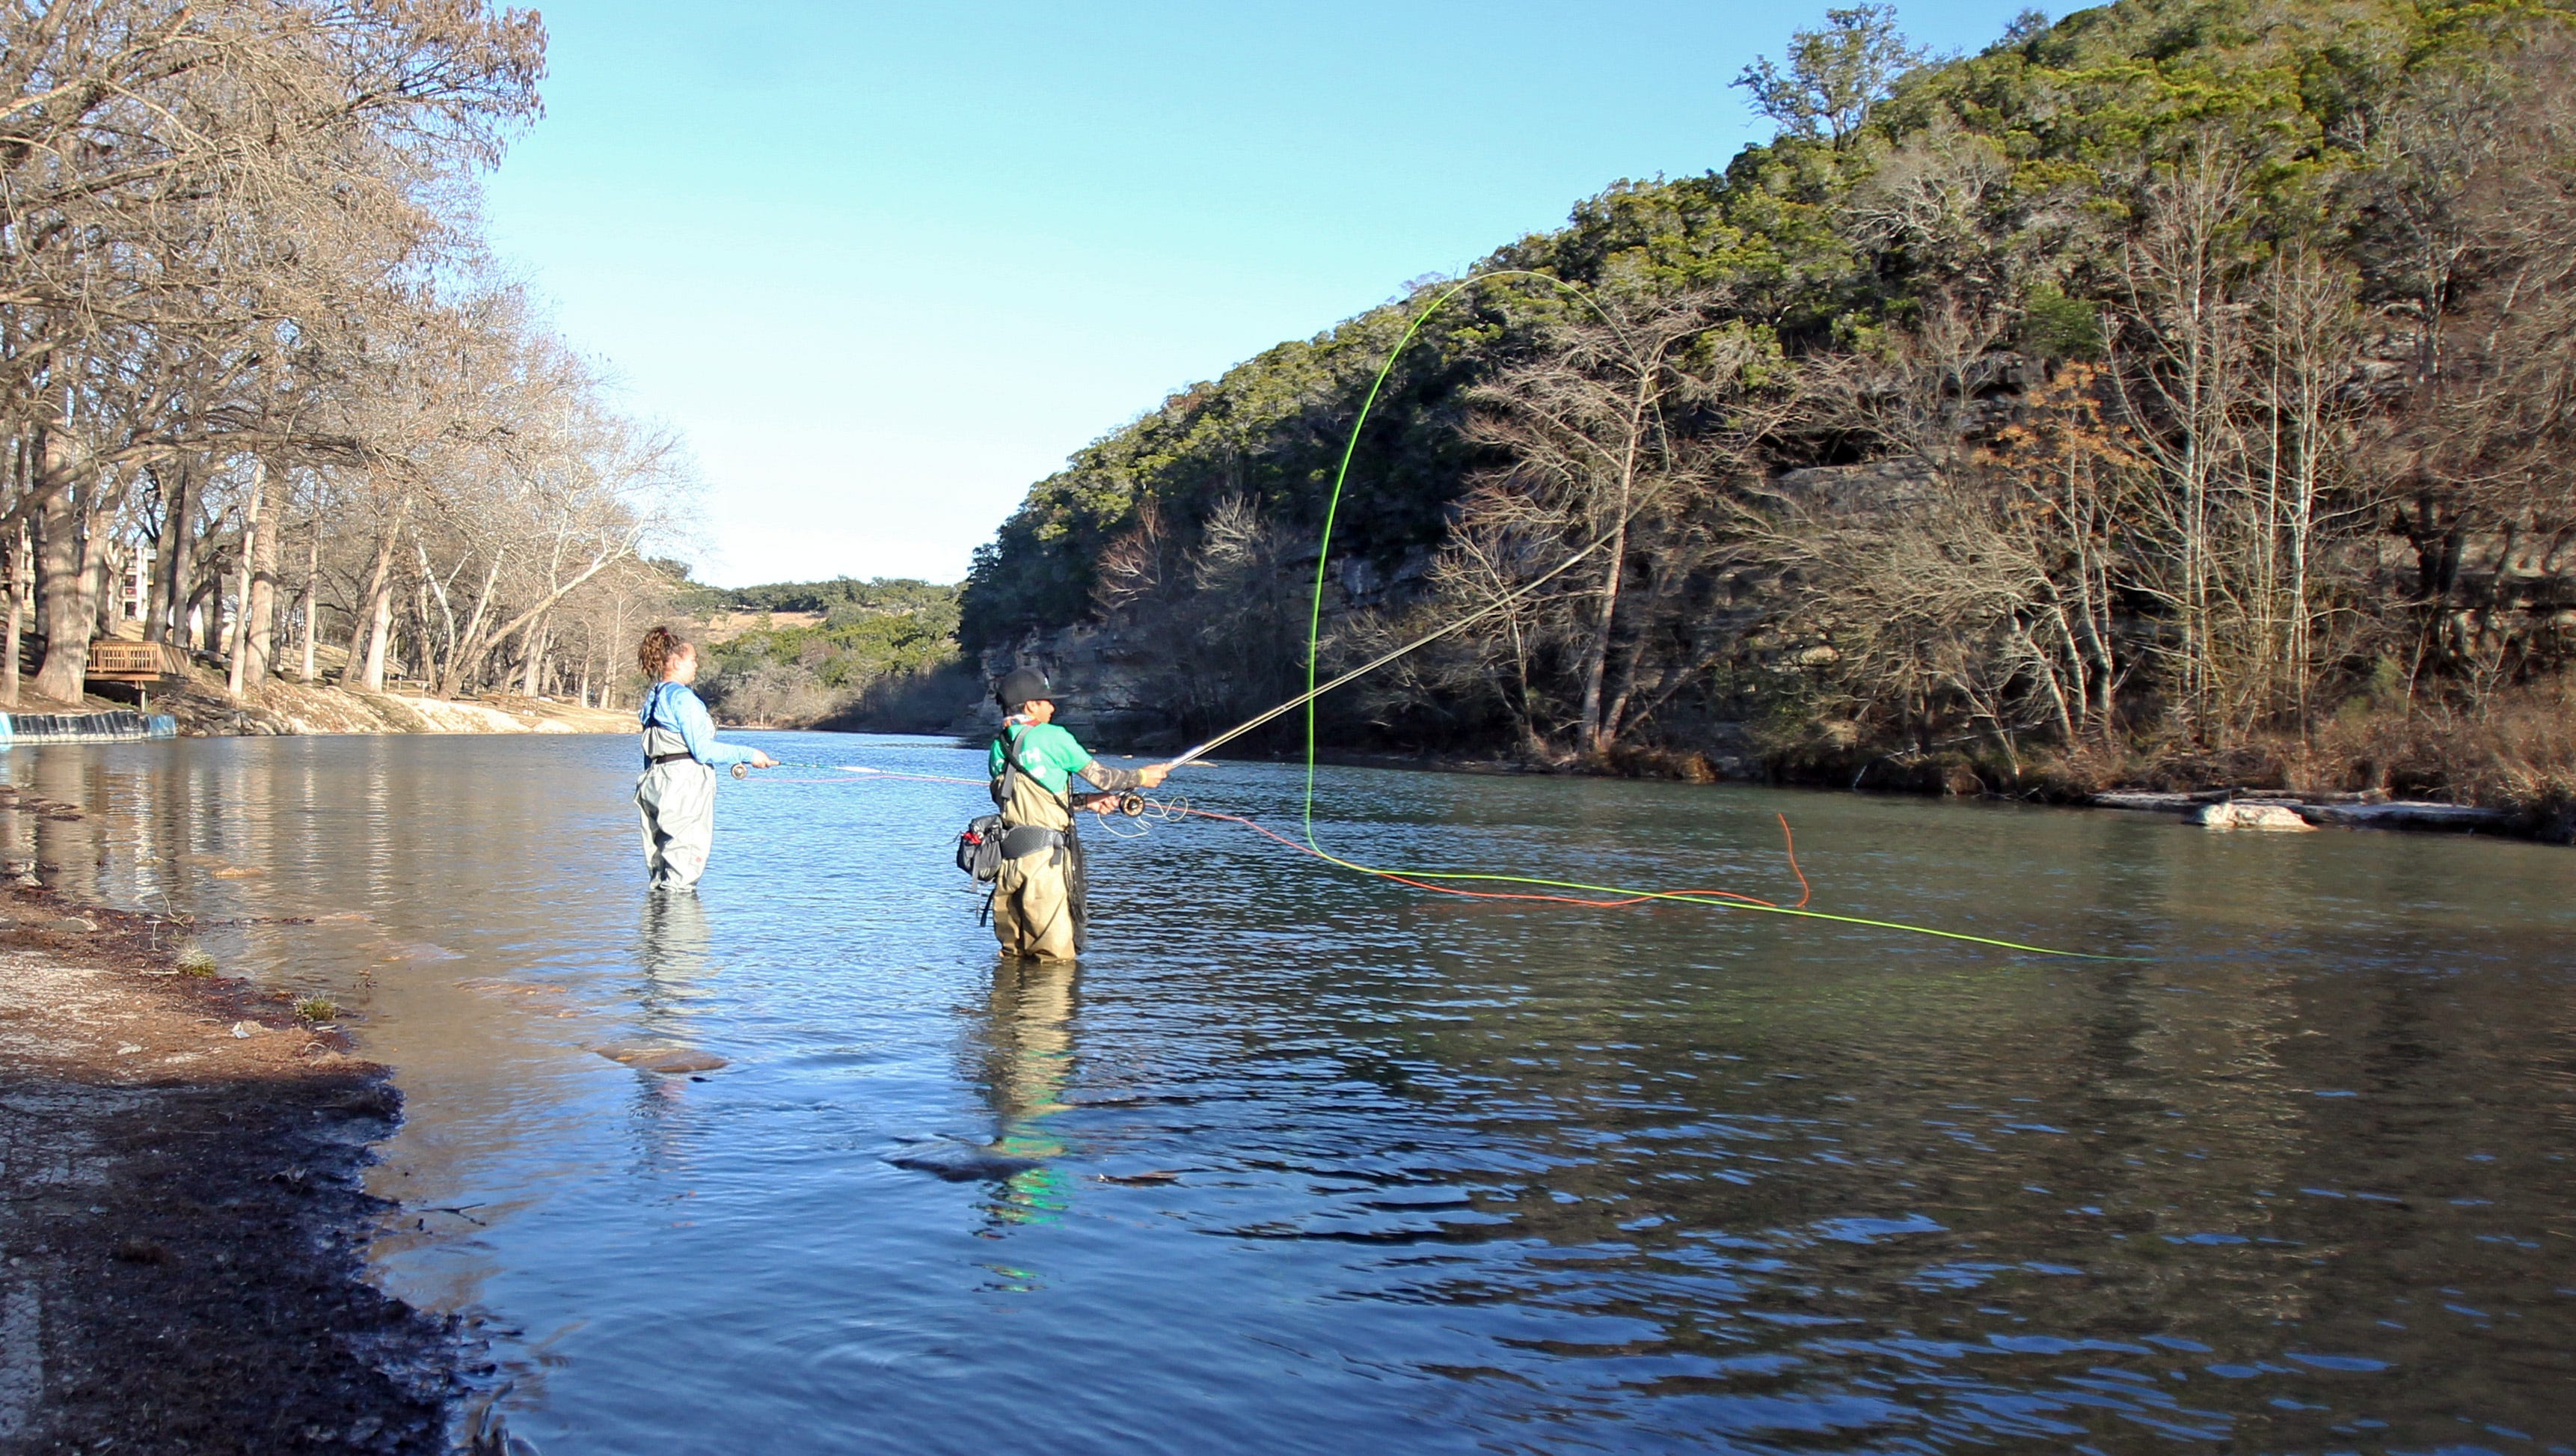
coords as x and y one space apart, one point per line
672 705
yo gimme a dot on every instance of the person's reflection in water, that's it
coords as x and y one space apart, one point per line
676 950
1028 1059
677 960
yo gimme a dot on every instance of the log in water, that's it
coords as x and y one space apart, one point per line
1297 1162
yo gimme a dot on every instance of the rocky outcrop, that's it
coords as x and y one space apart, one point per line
2239 809
1101 672
2251 816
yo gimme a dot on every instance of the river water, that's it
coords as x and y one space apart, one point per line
1300 1161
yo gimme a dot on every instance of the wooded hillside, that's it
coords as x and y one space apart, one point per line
2177 389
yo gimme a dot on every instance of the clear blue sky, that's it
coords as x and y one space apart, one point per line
884 266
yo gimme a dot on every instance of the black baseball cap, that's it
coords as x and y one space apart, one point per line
1024 685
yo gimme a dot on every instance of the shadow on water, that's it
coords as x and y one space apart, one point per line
1297 1161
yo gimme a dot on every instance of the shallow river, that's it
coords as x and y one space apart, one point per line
1304 1162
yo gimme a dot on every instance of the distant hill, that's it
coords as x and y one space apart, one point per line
804 653
876 594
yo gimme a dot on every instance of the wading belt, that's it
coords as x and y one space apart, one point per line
1020 839
656 760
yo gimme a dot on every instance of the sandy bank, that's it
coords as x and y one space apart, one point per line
180 1214
206 708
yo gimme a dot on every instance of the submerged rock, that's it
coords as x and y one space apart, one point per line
961 1162
660 1058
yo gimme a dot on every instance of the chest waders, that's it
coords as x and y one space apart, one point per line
676 799
1027 808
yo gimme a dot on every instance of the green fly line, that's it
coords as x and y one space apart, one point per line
1314 638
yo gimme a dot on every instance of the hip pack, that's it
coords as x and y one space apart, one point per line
979 849
987 843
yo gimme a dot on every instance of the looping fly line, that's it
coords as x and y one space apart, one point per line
1457 882
1447 880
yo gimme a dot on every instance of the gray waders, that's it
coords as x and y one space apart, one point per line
677 799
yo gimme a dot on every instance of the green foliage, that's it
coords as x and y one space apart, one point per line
1270 432
2054 326
2004 179
1835 75
870 630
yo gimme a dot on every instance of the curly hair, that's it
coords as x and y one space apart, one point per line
660 647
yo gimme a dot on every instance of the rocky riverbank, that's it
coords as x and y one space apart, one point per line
182 1225
2214 808
2273 809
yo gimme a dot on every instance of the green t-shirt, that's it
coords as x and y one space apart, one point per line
1045 753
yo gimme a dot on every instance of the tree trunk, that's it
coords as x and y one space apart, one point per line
157 594
207 592
255 597
424 644
380 631
1596 654
261 636
107 575
467 649
178 553
533 677
68 611
21 568
616 644
312 595
375 626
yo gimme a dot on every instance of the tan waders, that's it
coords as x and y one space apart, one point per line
1037 902
677 799
1033 908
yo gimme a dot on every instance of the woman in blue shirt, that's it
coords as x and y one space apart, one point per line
677 794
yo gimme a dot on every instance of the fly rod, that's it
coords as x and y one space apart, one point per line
1382 659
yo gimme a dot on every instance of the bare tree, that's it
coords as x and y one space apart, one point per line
2184 354
1615 429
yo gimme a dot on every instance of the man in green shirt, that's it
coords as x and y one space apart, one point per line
1038 901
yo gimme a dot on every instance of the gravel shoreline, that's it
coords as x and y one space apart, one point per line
182 1223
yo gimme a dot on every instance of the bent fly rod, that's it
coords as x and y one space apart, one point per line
1383 658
